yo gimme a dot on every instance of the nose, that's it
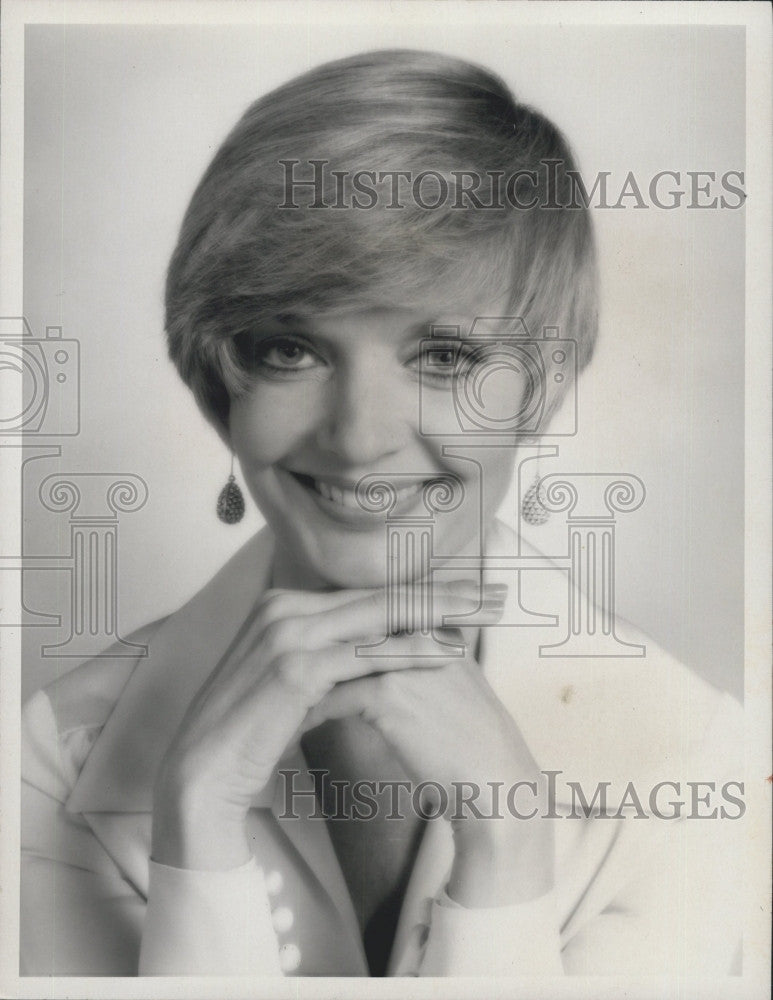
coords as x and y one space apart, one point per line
366 418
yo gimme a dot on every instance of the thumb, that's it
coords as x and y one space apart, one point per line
360 696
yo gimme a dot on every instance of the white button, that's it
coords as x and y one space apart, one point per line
283 919
274 882
289 957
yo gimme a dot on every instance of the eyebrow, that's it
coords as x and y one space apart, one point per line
300 323
304 325
297 321
419 330
272 326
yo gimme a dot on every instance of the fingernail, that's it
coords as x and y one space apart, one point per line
489 614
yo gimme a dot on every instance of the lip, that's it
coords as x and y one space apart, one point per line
354 516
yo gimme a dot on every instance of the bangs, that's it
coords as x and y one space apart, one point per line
356 273
248 253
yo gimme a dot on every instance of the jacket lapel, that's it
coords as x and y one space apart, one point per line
311 839
119 773
114 790
571 714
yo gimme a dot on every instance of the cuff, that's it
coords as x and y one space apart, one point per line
208 923
518 940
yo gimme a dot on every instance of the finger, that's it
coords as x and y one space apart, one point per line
273 634
296 680
308 676
316 619
277 605
363 696
405 608
239 667
282 603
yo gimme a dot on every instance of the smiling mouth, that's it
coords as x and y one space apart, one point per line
346 496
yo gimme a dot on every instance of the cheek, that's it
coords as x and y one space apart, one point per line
497 476
491 398
272 422
486 474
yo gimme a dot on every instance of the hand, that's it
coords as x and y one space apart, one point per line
448 727
294 651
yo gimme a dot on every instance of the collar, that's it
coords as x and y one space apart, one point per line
119 772
594 720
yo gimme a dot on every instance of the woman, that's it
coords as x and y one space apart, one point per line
188 814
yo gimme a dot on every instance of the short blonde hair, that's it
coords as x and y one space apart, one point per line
246 256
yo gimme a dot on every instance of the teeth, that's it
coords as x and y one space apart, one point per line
347 498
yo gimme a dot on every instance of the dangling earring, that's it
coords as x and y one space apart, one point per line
230 503
532 509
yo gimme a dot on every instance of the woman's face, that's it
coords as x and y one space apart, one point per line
352 395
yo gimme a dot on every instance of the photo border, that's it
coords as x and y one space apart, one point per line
755 17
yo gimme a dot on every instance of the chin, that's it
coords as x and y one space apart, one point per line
358 564
354 576
361 560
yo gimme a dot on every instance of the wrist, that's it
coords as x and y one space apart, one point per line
192 829
501 861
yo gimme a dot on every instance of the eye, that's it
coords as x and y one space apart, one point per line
441 363
285 353
287 356
442 357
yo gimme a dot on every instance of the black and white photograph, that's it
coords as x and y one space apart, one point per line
385 454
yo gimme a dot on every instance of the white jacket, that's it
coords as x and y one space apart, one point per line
637 895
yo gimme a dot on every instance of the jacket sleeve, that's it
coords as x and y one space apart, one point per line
81 915
666 899
201 923
519 940
676 912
